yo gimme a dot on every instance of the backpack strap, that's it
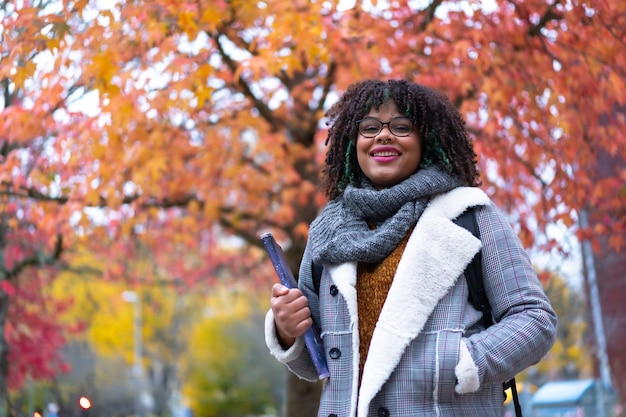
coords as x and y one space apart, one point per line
316 274
478 297
473 272
513 385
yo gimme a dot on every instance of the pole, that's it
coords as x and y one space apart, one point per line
31 397
132 297
598 325
138 368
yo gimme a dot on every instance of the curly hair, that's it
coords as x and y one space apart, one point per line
441 128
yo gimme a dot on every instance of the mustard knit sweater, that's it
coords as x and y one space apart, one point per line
372 286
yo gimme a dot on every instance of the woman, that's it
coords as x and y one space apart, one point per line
400 336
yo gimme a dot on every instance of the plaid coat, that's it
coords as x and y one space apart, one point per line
429 354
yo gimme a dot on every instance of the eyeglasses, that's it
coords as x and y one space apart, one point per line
398 126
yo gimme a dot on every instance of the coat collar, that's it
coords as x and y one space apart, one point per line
436 254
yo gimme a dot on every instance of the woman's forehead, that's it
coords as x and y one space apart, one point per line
388 106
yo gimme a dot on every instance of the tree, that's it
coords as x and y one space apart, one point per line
228 370
105 353
177 120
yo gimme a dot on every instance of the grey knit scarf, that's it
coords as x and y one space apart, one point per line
341 232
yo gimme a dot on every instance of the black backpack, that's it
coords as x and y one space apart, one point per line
477 296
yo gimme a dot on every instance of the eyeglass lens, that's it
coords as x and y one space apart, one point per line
398 126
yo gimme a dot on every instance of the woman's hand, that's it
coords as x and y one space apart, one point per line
291 314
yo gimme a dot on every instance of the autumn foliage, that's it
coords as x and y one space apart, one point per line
178 123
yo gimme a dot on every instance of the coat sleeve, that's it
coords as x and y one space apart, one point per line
296 358
525 327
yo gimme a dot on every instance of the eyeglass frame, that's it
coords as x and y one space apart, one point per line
382 126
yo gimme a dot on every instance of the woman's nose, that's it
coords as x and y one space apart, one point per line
385 135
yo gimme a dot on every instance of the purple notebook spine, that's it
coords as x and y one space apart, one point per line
312 338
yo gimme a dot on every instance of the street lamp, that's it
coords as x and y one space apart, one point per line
132 297
85 405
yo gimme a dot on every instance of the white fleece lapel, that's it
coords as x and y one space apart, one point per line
436 254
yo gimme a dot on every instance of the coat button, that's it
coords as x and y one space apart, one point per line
383 412
333 290
334 353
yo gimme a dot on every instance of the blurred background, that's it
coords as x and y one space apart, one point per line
146 145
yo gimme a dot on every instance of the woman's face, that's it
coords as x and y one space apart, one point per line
387 159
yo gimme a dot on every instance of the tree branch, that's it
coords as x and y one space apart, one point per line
37 259
429 14
244 87
549 15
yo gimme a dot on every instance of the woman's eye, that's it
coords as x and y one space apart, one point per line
402 128
369 128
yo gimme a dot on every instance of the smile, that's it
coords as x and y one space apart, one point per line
385 153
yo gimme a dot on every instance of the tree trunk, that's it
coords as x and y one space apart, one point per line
4 352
